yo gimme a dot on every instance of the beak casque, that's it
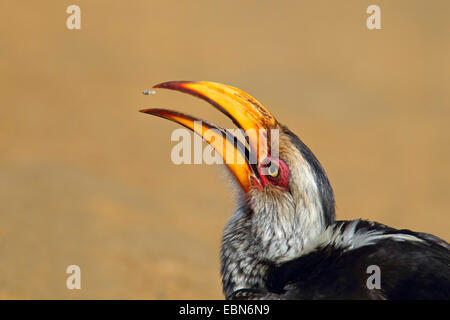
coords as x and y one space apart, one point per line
244 110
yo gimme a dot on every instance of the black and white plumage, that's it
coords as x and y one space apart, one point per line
283 241
412 267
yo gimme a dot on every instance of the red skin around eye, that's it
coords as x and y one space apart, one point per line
281 180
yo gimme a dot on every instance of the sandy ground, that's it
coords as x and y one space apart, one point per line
85 179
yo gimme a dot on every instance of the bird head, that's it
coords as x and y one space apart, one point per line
285 199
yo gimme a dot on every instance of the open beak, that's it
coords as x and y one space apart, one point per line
244 110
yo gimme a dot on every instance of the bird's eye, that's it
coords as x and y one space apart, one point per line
273 170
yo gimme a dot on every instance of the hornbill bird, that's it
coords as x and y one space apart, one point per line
283 241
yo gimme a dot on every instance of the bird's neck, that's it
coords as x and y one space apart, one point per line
254 241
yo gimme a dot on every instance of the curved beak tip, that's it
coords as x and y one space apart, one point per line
147 111
172 84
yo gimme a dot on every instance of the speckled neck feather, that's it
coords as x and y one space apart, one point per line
272 225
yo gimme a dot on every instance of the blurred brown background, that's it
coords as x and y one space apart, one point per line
85 179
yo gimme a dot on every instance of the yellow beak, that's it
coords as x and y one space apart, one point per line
244 110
